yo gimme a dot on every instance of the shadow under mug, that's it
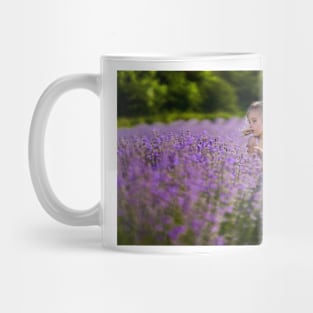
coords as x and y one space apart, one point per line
178 177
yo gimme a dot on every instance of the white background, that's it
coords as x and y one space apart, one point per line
50 267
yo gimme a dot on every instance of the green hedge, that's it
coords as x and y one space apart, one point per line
171 117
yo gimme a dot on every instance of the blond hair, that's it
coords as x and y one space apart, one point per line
256 105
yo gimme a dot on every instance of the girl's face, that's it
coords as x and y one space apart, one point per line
255 122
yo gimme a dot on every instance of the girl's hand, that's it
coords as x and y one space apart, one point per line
258 149
247 131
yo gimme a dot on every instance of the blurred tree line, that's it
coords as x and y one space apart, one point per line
154 93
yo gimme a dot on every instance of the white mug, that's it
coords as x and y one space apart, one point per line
178 174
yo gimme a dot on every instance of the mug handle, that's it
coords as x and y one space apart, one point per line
37 166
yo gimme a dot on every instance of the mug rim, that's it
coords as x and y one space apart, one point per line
196 56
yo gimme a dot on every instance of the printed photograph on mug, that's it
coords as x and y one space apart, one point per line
189 153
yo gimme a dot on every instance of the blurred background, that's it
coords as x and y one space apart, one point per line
165 96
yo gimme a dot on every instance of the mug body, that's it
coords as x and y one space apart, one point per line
176 174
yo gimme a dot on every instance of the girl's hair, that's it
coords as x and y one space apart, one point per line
257 105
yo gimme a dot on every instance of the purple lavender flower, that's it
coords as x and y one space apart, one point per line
197 225
219 240
176 231
192 178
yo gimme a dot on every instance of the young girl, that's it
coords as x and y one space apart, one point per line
255 118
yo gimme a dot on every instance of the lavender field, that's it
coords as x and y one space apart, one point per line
188 183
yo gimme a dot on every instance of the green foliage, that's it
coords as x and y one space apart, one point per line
247 85
217 94
188 238
149 96
171 117
139 93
